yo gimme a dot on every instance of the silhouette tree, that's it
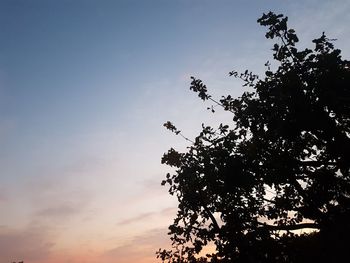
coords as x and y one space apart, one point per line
281 166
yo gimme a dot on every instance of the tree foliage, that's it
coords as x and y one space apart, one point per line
283 164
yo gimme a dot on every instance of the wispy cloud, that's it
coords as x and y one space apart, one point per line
3 196
32 244
166 212
59 211
141 248
136 219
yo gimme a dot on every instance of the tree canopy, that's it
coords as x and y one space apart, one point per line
282 165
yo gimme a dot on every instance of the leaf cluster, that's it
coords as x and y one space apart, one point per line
284 166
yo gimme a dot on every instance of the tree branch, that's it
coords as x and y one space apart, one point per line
317 163
212 218
209 213
291 227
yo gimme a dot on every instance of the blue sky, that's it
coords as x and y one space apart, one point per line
85 87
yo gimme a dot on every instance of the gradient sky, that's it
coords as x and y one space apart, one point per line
85 87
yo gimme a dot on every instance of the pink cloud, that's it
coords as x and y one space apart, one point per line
3 198
31 244
60 210
141 248
167 212
135 219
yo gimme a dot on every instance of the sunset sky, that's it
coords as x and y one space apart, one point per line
85 86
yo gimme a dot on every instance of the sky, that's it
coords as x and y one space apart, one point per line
85 87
